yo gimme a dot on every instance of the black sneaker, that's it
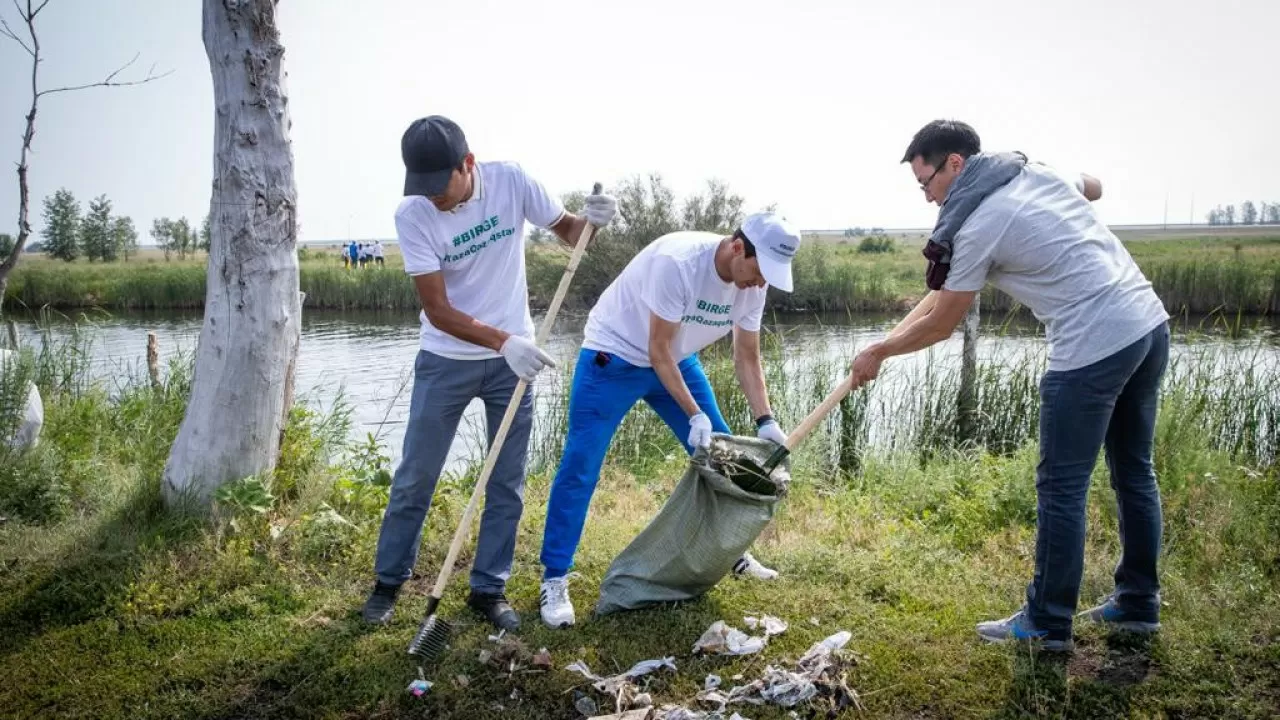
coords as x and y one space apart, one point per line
381 603
495 609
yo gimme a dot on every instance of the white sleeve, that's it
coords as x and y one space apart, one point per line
753 310
415 246
540 208
971 257
666 294
1074 179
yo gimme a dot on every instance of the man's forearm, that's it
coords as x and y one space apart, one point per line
921 309
751 377
669 373
917 336
468 329
569 229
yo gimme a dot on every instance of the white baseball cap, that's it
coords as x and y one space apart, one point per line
776 241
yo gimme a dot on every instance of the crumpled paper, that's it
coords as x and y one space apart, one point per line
722 639
789 688
770 624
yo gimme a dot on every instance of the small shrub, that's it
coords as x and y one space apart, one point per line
877 244
33 487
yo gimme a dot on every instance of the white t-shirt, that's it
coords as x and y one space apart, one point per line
377 249
479 248
1039 240
675 278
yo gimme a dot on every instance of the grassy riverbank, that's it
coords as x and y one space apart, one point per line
1194 276
111 608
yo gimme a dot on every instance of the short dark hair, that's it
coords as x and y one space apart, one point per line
940 138
748 250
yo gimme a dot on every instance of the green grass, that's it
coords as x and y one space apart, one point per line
1192 275
111 607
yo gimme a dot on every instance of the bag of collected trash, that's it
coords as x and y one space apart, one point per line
702 530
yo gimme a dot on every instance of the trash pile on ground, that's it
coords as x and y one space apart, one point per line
817 681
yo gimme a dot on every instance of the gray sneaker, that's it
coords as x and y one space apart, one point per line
1109 613
1018 628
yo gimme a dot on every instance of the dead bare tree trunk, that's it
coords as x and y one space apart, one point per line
32 45
967 410
252 325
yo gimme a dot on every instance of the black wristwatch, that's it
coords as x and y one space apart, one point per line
760 421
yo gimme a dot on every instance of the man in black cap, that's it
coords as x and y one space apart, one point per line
460 228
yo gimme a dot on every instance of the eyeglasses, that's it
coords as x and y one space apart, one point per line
925 185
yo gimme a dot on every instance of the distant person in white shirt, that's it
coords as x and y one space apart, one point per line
377 252
1038 238
460 228
681 293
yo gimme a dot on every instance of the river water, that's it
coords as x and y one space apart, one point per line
367 358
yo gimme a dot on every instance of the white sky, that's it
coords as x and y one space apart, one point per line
810 106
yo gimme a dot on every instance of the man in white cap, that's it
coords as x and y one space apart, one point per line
680 294
461 229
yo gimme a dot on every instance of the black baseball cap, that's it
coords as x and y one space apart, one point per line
431 148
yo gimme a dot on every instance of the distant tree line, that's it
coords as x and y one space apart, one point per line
1249 214
100 235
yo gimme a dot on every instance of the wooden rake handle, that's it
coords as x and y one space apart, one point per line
820 413
464 525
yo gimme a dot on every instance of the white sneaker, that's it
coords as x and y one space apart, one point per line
748 565
557 610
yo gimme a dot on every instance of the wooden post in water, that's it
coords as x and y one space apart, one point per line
967 400
153 359
13 335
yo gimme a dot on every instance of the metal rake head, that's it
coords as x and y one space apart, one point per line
432 638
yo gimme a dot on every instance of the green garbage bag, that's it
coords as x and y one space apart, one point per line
701 531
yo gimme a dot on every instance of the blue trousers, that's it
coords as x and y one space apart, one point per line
605 387
442 389
1110 403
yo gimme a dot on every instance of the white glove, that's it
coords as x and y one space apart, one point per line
525 358
600 209
700 431
771 431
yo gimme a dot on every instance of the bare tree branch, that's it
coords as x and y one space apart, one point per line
36 12
110 81
8 32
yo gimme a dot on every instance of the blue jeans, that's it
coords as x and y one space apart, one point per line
1110 403
605 387
442 389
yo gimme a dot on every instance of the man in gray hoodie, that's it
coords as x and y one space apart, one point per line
1032 232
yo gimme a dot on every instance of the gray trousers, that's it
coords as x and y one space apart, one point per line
442 389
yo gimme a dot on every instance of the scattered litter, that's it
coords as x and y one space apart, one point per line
714 697
612 685
814 622
641 714
462 680
712 682
675 712
419 687
510 656
643 700
586 706
542 659
721 639
818 658
772 625
819 673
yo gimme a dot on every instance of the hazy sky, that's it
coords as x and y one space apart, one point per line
809 107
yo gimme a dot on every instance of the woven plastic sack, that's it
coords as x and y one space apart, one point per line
702 530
